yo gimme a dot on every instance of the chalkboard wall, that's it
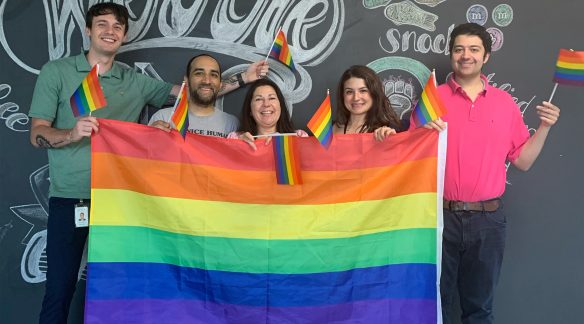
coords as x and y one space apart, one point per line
543 272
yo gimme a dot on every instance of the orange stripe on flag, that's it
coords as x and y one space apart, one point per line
255 186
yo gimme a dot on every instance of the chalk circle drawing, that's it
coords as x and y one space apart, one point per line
502 15
407 13
372 4
401 93
496 37
33 263
477 14
13 119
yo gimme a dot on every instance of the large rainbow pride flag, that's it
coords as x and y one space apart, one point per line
198 231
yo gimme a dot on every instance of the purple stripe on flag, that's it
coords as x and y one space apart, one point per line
192 311
569 82
77 104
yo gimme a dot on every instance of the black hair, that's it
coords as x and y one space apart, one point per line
471 29
381 112
248 124
106 8
188 70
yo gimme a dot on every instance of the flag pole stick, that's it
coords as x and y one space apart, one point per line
553 92
274 135
270 50
435 84
176 103
97 71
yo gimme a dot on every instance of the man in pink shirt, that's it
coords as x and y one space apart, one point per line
485 129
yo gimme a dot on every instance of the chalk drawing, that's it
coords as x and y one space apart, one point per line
9 112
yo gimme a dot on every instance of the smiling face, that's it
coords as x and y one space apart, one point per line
265 109
204 81
106 34
468 57
357 97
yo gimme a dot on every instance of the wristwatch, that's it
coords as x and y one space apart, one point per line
240 80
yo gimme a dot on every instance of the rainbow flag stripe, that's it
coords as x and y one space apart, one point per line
570 68
321 123
199 231
287 160
88 96
429 106
281 52
180 116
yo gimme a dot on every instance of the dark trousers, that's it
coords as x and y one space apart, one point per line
472 253
64 249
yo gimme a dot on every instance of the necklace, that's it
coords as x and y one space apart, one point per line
353 130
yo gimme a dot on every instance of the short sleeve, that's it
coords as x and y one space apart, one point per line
233 135
159 115
45 98
519 135
233 123
157 91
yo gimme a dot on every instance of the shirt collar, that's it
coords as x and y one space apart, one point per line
83 66
457 87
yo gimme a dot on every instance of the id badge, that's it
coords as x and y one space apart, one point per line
81 214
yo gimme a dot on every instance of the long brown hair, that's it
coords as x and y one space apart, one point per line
381 112
248 124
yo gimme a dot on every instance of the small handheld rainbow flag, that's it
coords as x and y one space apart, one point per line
287 160
88 96
280 50
570 68
180 116
321 123
429 107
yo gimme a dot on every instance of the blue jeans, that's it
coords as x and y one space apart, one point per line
65 245
472 253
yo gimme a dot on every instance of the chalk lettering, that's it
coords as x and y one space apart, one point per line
229 29
395 41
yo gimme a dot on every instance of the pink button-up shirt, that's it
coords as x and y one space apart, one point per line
482 136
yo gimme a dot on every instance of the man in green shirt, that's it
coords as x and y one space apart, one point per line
53 126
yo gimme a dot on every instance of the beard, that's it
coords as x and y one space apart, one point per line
205 100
